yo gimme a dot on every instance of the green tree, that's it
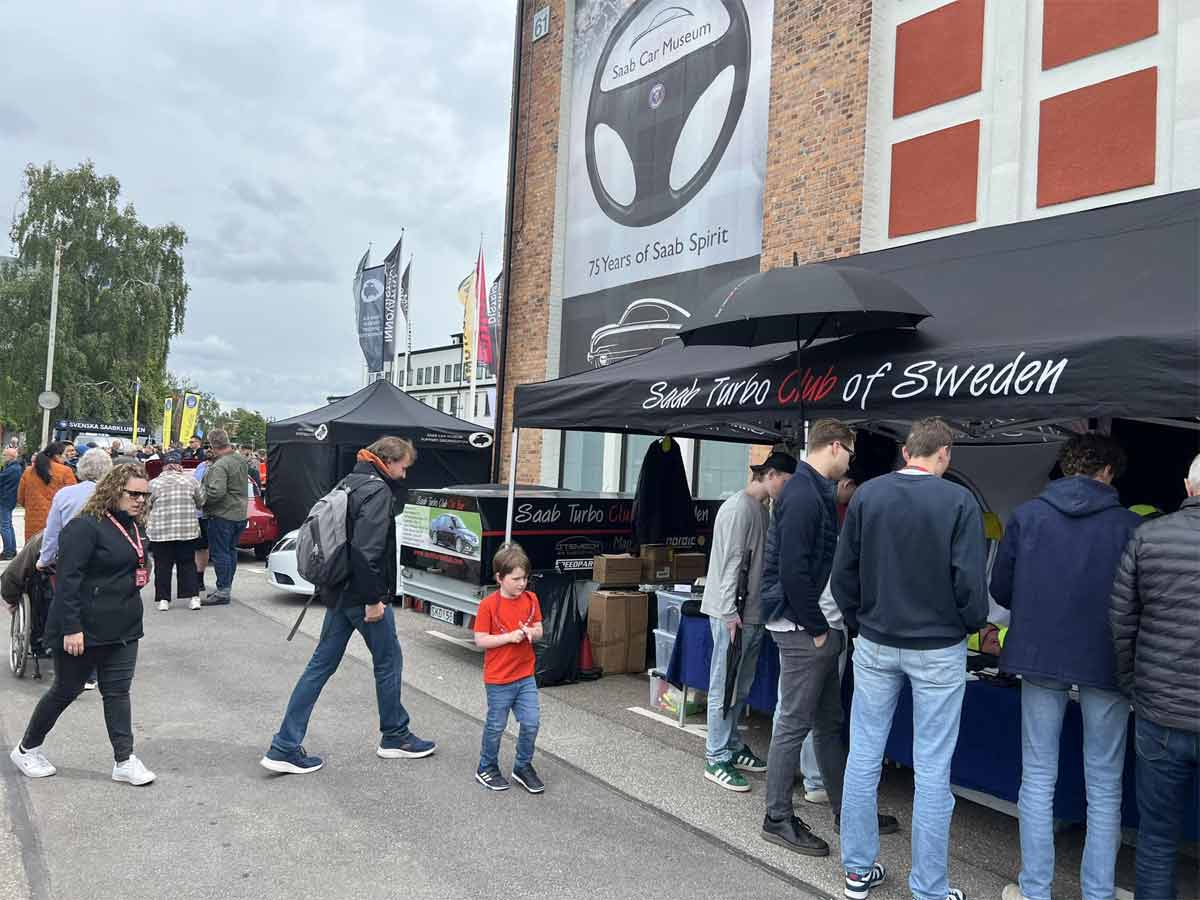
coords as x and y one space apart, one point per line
122 298
208 415
247 426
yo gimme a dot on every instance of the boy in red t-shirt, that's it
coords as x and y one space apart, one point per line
507 624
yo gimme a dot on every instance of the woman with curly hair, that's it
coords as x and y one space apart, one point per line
40 482
95 619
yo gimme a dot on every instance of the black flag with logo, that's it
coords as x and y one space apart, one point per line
391 295
370 301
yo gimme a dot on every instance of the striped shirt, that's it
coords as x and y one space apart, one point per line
176 499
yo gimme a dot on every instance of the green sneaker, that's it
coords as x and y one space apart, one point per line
725 775
745 760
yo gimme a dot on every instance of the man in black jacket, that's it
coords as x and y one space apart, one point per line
1156 626
800 548
362 604
909 578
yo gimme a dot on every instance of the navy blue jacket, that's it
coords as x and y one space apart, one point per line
10 476
1055 571
910 567
800 546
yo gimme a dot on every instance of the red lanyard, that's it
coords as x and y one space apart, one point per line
137 548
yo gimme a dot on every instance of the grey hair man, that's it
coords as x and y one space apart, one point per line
225 485
1156 628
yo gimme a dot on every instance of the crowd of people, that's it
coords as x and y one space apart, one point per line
892 572
895 572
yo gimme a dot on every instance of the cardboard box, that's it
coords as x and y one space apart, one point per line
655 572
687 567
617 569
617 630
660 553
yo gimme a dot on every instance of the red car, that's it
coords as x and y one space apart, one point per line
262 530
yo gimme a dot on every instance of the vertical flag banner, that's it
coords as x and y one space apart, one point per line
370 317
391 297
493 321
483 337
187 419
404 284
466 296
168 413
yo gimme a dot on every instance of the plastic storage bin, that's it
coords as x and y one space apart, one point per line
670 609
664 643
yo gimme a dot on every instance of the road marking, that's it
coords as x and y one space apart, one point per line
700 731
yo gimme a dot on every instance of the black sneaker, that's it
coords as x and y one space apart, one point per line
215 598
887 824
297 762
491 779
859 886
528 779
795 835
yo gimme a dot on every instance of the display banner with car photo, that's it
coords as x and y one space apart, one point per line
447 537
667 158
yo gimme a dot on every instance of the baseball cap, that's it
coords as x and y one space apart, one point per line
779 461
173 458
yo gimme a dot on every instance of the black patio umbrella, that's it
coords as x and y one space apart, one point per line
805 303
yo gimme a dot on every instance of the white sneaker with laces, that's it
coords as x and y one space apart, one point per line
164 605
817 795
194 603
132 771
1012 892
32 762
89 685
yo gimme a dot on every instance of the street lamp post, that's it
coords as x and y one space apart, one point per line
58 252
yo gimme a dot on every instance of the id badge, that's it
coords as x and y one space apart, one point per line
141 576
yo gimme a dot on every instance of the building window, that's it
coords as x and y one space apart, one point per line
458 371
437 374
439 404
582 461
454 404
401 378
420 376
446 374
429 374
723 471
635 451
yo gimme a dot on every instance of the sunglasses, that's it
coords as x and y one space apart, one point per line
849 450
138 495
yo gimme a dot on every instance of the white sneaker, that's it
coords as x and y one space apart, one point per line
1012 892
132 771
194 603
32 762
164 605
89 685
819 795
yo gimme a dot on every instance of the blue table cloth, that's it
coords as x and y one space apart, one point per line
691 662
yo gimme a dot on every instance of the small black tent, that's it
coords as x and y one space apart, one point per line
309 453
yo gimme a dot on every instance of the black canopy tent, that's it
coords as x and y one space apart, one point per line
1090 314
309 453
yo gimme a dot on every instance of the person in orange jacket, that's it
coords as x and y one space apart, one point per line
40 482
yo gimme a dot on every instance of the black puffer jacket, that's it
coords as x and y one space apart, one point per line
371 520
95 590
1156 619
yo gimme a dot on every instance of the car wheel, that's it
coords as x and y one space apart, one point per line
460 545
262 551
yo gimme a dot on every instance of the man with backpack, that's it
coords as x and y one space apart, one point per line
359 599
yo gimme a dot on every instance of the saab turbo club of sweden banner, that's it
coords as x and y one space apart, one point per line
667 160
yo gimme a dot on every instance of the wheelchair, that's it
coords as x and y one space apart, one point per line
28 621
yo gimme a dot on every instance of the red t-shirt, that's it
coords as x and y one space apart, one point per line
499 615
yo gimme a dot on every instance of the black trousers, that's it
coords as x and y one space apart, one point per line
182 556
114 664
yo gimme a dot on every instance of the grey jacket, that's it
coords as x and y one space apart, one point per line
1155 614
225 482
740 530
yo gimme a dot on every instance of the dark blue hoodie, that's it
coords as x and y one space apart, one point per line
1055 571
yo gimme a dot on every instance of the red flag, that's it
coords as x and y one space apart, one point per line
483 343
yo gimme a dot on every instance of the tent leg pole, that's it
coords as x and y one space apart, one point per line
512 484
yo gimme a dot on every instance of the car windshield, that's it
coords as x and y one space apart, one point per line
640 315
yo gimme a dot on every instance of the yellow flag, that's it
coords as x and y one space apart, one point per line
187 419
168 410
466 296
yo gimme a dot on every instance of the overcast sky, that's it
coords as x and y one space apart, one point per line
283 137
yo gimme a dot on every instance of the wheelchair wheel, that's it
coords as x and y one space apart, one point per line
18 647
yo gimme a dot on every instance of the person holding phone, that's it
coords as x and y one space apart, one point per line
95 619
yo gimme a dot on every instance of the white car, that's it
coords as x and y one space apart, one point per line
281 567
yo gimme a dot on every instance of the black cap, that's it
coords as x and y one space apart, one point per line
779 461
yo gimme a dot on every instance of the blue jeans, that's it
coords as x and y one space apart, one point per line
381 640
522 698
723 739
938 679
1105 724
223 536
8 537
1167 760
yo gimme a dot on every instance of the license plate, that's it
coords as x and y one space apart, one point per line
442 614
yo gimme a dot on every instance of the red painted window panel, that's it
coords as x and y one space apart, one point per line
1074 29
935 180
939 57
1098 139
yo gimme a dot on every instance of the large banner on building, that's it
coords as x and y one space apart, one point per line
667 160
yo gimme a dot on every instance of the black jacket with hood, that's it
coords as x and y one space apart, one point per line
371 512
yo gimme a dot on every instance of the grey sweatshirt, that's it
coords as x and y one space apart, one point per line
740 529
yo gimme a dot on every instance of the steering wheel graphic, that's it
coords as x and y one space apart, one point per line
649 115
